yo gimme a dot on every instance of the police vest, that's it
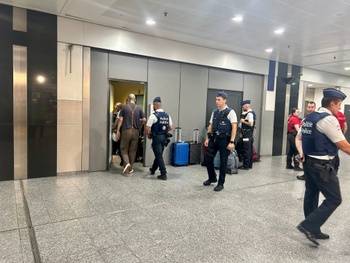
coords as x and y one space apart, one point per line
162 124
221 123
313 141
247 127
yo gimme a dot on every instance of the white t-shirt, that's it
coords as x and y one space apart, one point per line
153 119
249 116
330 127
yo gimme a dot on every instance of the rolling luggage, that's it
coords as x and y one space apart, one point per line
194 149
256 156
232 162
179 150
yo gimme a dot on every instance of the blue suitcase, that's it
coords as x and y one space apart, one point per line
179 154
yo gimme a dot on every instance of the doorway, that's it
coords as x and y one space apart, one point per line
119 92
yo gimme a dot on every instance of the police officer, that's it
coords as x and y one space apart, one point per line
220 137
247 133
318 142
157 127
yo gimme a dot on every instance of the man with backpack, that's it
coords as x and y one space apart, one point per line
220 137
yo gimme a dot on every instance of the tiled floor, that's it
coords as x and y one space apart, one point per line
108 217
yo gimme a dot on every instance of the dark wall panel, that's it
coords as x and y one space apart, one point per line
294 89
6 95
42 97
280 102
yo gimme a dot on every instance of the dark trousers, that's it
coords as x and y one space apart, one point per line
158 144
217 144
116 150
316 216
292 150
247 152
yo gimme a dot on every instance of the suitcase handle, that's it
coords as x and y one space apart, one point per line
195 135
177 134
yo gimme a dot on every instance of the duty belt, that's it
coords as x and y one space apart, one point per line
325 168
219 135
312 160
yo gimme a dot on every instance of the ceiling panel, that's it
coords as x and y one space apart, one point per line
316 31
88 9
47 6
317 7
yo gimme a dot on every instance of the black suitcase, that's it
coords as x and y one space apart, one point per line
194 156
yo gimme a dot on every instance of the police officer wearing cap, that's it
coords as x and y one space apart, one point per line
157 127
220 137
318 142
247 133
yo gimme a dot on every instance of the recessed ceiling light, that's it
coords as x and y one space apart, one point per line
237 18
310 85
269 50
150 22
347 68
40 79
279 31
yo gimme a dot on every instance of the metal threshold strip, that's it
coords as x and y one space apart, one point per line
31 231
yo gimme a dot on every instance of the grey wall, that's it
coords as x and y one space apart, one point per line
99 102
193 97
127 67
182 87
225 80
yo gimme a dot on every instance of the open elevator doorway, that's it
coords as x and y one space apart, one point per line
119 92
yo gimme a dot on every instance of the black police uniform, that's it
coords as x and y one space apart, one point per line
159 139
247 141
320 175
219 138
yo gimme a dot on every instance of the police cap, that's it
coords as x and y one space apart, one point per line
332 92
157 99
222 94
245 102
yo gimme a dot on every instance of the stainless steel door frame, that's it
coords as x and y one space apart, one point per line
20 104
